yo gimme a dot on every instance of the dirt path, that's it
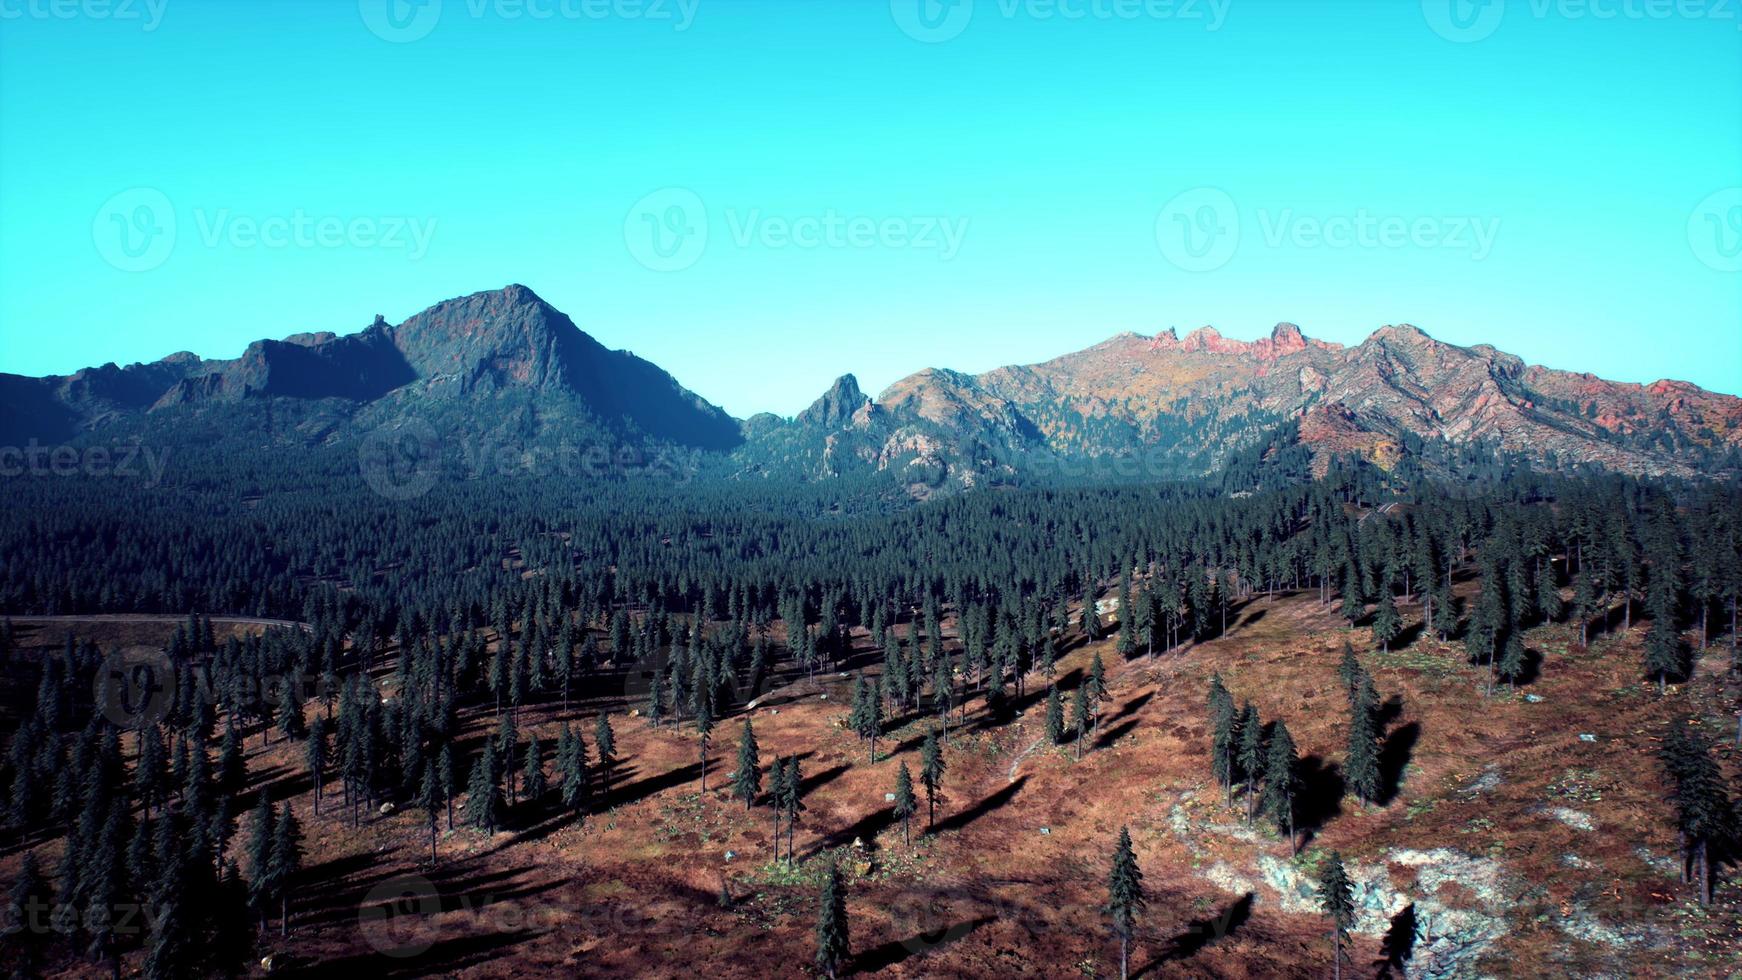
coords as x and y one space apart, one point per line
156 618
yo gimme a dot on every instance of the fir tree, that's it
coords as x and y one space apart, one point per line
484 791
605 743
1337 899
1224 737
1252 757
1055 716
833 945
1362 768
1386 623
1125 899
747 779
1282 780
905 804
1080 712
286 862
1705 816
430 798
931 774
533 781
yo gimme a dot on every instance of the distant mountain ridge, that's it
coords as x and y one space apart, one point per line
505 362
468 349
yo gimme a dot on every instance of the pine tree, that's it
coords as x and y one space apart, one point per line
484 791
429 797
532 772
1080 712
905 804
1125 898
605 743
290 717
833 944
1224 735
1362 767
1252 755
1386 623
1349 669
1337 899
1282 780
1705 815
747 779
1055 716
704 728
1513 659
931 774
29 902
794 802
286 862
262 885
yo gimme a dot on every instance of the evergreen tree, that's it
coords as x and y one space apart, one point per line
1337 899
1705 816
533 781
484 791
1513 659
262 884
905 803
29 904
1125 898
1224 736
1055 716
1252 755
931 774
1386 623
747 779
833 945
1361 770
605 743
429 797
286 862
1080 712
1282 780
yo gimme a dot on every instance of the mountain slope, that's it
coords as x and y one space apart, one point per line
474 359
1187 404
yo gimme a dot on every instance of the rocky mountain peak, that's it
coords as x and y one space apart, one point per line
837 406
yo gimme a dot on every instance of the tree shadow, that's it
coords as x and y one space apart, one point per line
1134 705
896 951
1203 932
957 821
1394 758
1398 946
1408 635
1321 795
1113 734
1388 712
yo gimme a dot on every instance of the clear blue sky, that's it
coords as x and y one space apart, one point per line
1544 182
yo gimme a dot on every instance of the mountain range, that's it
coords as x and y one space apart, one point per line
505 364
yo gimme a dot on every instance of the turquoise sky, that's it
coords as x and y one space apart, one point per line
759 196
